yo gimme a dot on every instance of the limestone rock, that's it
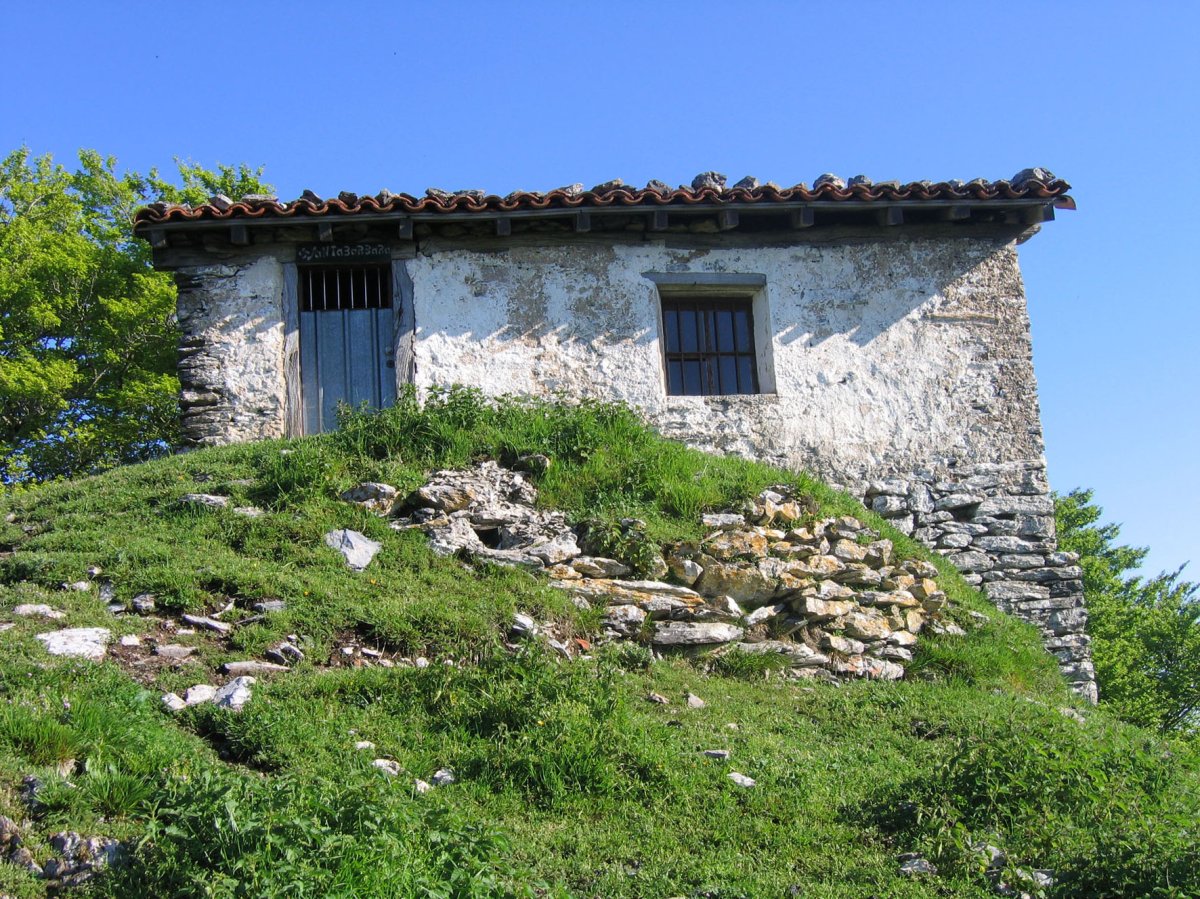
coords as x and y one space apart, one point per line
174 651
523 626
205 500
624 620
446 497
744 584
212 624
78 642
559 549
723 520
235 694
39 610
816 609
732 544
199 693
841 644
799 655
684 633
912 865
741 779
598 567
376 497
239 669
862 626
763 614
357 549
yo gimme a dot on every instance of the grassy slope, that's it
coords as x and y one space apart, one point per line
568 779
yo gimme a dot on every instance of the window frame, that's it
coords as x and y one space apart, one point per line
748 288
720 358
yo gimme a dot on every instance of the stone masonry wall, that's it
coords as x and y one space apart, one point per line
231 351
995 523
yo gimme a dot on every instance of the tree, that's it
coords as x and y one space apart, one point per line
1145 632
87 332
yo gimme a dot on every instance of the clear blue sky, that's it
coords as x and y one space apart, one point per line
504 96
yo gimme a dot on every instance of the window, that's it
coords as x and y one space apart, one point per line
709 345
345 287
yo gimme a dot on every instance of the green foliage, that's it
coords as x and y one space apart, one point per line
87 331
37 737
624 540
217 835
747 665
1145 631
1052 793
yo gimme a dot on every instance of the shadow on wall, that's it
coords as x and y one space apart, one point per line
855 292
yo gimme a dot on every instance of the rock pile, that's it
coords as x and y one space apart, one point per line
76 860
488 512
826 594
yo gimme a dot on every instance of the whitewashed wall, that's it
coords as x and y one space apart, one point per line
887 357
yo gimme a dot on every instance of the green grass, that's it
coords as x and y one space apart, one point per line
569 782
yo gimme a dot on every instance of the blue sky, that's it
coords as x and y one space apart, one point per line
505 96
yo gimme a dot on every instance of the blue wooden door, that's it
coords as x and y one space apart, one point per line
346 342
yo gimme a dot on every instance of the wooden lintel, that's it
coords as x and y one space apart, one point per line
890 215
727 219
503 227
658 220
955 214
239 234
404 229
583 220
325 231
802 218
157 238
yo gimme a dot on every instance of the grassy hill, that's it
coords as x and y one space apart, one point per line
568 782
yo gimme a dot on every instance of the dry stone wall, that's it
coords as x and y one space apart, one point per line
826 597
995 523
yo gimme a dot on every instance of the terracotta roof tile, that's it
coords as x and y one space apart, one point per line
707 189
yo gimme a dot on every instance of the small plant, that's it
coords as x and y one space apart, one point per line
747 665
625 540
38 737
628 656
117 794
295 474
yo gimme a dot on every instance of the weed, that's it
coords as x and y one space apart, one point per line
37 737
746 665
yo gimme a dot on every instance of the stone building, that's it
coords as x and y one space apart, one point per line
873 333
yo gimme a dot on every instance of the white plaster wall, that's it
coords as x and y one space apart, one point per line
888 356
